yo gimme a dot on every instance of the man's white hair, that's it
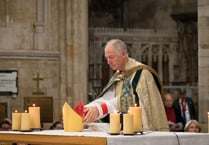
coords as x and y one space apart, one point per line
118 45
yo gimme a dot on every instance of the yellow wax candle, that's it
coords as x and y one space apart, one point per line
114 123
128 124
34 116
137 118
16 119
208 122
25 121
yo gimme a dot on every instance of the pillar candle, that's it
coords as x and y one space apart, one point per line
208 122
25 121
114 123
137 118
128 124
34 116
16 120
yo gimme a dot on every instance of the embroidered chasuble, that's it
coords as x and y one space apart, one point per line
148 89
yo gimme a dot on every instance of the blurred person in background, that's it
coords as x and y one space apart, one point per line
56 125
185 106
192 126
175 121
5 125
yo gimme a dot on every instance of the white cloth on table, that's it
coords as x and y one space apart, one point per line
147 138
160 138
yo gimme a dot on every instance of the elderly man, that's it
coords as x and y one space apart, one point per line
175 121
132 84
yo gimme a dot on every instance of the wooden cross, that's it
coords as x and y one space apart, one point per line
37 79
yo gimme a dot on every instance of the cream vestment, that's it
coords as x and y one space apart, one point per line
148 89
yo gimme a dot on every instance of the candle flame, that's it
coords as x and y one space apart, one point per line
208 113
34 105
16 111
26 111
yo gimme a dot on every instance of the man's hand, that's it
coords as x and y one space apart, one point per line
90 114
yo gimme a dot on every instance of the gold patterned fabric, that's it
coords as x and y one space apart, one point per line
149 92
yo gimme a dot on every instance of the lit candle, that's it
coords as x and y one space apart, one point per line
208 122
25 121
128 124
114 123
16 119
137 118
34 116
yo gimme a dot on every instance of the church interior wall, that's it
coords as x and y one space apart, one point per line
27 71
26 46
39 36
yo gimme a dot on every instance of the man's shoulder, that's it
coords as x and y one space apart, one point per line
189 99
136 65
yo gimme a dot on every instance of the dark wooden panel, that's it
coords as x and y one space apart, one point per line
45 104
3 110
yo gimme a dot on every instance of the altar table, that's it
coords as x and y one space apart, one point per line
95 136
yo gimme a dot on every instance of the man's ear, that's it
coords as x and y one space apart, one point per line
123 53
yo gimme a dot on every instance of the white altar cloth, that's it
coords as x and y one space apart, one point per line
147 138
160 138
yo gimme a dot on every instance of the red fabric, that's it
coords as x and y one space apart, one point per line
79 108
170 114
104 108
183 104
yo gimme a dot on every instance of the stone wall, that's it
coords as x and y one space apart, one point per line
49 37
203 57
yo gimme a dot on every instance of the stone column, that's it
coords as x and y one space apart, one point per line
203 60
61 44
74 64
40 41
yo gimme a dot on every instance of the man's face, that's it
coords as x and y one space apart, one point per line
114 58
168 101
